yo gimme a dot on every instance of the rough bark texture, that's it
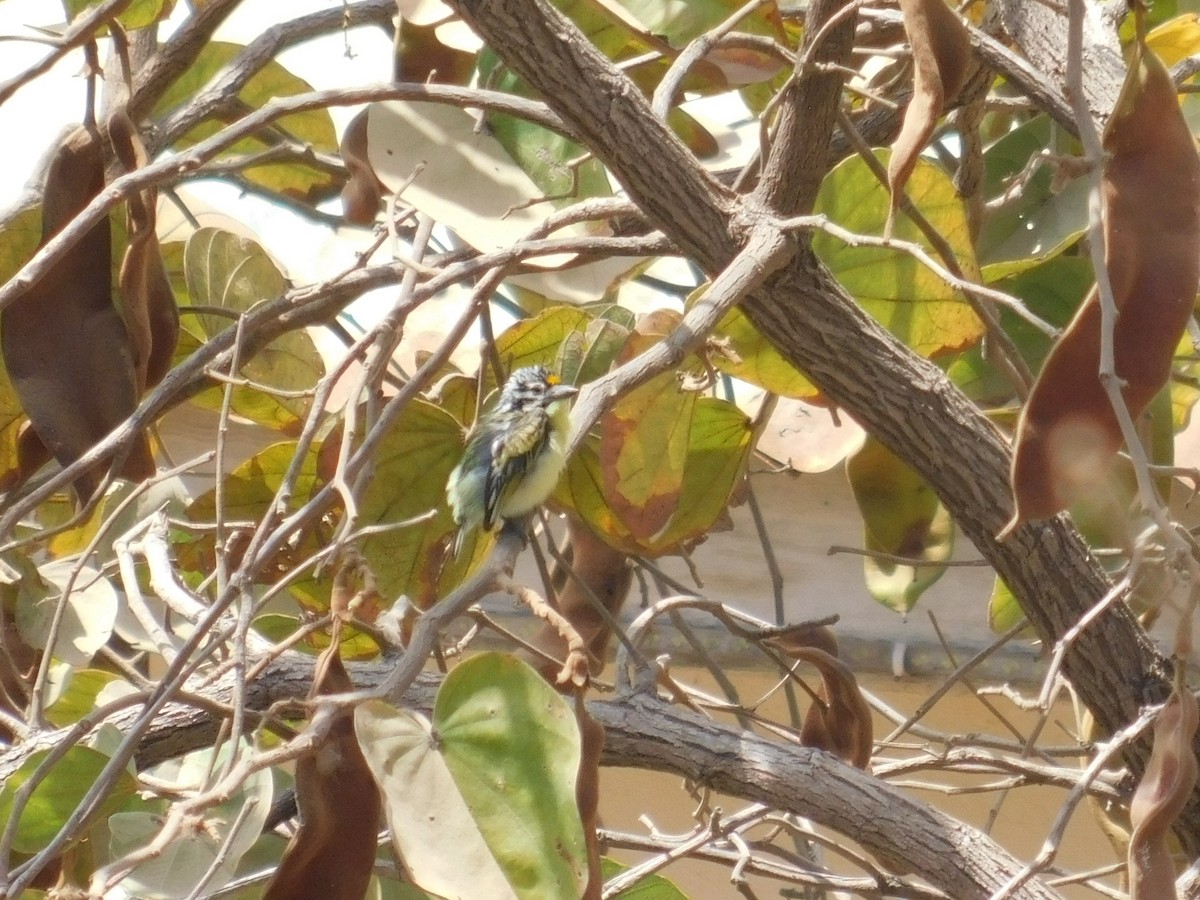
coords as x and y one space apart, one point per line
1041 33
904 400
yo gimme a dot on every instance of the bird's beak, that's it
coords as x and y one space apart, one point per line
561 392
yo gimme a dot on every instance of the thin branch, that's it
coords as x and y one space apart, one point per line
80 32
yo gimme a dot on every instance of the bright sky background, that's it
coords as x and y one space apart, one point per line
39 111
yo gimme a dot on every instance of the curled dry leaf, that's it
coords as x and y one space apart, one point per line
587 792
64 343
333 852
363 191
839 721
598 571
1068 433
941 53
151 315
1164 790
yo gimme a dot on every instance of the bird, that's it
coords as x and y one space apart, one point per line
514 454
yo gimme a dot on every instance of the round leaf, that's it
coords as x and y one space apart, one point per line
901 517
493 777
87 621
58 794
425 810
512 745
412 465
907 299
313 128
208 845
233 273
758 361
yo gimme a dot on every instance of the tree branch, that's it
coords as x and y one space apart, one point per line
258 53
645 732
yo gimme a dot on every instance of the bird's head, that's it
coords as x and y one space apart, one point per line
533 386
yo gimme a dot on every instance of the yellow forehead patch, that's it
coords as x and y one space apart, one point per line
553 379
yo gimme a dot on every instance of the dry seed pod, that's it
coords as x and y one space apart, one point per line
64 343
1068 433
839 721
363 191
941 53
331 855
151 315
1163 792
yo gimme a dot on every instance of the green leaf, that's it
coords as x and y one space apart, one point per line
58 794
578 344
353 644
758 362
1185 387
644 439
138 14
169 495
209 845
586 355
652 887
904 296
249 490
313 128
537 340
1040 221
233 273
493 776
79 697
18 242
680 22
412 463
717 444
87 621
1052 290
551 161
903 517
1003 610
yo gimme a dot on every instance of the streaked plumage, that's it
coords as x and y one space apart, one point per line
515 453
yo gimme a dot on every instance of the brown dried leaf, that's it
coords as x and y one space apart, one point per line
805 637
1068 434
839 721
941 53
1163 792
600 572
32 454
363 191
423 58
744 65
332 854
587 792
64 344
151 316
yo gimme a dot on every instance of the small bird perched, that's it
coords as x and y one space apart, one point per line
514 454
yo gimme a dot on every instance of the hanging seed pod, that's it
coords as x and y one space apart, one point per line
1068 433
941 53
64 343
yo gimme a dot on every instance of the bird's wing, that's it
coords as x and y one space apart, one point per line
512 452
